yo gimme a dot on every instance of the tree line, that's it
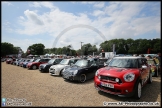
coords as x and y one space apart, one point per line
122 46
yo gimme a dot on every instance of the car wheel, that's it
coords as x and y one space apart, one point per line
82 78
34 67
150 78
61 72
138 91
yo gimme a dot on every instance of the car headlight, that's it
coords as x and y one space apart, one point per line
75 72
129 77
96 73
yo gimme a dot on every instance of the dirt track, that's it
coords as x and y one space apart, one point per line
44 90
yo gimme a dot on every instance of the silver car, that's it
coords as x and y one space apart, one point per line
57 69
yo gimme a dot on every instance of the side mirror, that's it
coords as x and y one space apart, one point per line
105 64
144 67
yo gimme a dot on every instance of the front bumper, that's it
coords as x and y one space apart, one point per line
70 76
54 71
123 89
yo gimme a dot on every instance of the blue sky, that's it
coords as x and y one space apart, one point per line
69 23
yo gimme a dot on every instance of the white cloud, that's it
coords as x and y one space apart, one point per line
8 3
117 20
88 2
43 4
99 5
98 13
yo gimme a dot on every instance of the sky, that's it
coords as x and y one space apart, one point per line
59 24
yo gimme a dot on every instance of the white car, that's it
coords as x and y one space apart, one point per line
57 69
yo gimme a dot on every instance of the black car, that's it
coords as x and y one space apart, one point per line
81 71
45 67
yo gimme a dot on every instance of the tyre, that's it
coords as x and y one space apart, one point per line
138 91
150 78
34 67
61 72
82 78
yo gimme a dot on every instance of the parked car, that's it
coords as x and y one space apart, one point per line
154 67
21 62
57 69
81 71
3 59
124 76
8 61
45 67
26 62
12 61
34 65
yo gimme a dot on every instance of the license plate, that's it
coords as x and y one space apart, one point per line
107 85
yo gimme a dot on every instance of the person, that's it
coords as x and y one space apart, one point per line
148 57
159 58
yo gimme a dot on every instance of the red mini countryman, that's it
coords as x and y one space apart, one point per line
124 76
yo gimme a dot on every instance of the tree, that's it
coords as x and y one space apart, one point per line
36 49
8 48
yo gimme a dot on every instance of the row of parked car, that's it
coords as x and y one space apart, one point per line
122 76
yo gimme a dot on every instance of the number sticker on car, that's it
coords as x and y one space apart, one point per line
107 85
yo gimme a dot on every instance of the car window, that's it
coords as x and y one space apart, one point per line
124 63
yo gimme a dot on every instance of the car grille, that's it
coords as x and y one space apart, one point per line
66 73
108 78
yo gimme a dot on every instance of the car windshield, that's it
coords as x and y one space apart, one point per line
107 62
37 60
51 61
27 60
81 63
64 62
123 63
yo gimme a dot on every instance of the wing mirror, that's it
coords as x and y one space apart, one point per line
105 64
144 67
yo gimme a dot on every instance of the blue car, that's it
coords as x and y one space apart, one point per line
24 65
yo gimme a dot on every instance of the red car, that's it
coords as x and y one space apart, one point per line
124 76
35 64
9 60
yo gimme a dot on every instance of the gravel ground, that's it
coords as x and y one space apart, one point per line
44 90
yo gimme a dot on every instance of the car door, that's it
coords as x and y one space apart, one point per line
92 69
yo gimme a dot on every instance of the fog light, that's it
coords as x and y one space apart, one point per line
126 91
117 79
